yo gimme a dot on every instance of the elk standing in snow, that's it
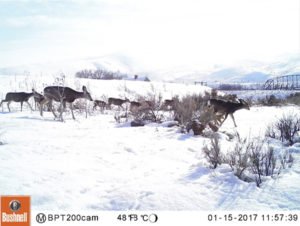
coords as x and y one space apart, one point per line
63 95
18 97
117 102
99 103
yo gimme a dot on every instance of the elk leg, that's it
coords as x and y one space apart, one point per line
29 105
21 105
45 101
61 109
233 120
8 103
71 106
224 119
2 105
51 109
218 119
41 107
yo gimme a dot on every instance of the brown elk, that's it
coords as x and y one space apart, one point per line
169 103
134 105
99 103
18 97
63 95
148 104
38 98
117 102
226 108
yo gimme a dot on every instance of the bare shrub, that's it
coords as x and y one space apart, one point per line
100 74
286 160
192 113
207 115
239 158
285 128
150 109
83 107
271 132
269 162
250 100
253 159
270 100
293 98
214 93
188 107
213 152
230 97
262 163
60 80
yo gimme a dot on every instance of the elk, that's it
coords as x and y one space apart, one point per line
38 98
99 103
226 108
63 95
18 97
117 102
169 103
148 104
134 105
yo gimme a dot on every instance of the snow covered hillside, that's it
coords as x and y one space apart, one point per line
94 163
244 71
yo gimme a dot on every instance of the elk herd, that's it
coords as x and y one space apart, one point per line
64 95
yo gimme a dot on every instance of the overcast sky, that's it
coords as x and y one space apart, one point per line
156 32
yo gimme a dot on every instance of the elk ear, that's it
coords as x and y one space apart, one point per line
84 89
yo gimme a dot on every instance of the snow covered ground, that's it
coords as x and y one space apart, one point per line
96 164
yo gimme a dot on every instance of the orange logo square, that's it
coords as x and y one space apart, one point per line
15 211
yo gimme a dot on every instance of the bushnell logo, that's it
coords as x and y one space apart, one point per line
15 211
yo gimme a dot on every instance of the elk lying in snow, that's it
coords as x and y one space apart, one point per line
99 103
18 97
63 95
117 102
226 108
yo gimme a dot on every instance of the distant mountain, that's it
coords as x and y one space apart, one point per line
246 71
70 67
254 77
